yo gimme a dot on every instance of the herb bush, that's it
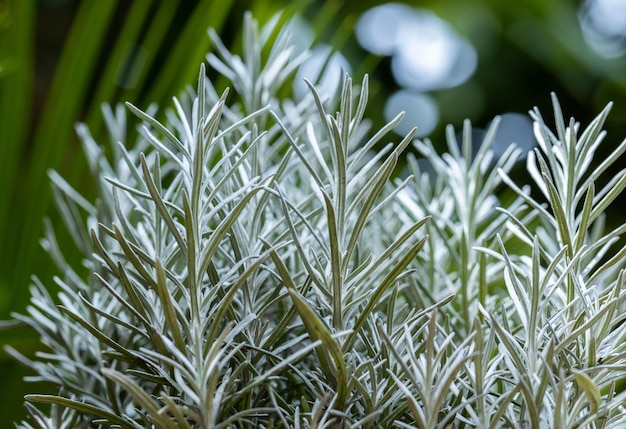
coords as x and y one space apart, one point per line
254 263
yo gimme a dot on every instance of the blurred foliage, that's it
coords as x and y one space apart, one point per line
59 60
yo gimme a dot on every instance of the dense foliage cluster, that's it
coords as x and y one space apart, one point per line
256 264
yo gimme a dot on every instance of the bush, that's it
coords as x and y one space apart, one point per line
254 263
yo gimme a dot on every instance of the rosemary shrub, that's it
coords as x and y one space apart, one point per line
255 264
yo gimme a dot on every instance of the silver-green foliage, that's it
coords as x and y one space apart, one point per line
254 264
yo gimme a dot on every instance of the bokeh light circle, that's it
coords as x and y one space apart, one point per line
420 111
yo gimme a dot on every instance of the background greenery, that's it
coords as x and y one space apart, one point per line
59 60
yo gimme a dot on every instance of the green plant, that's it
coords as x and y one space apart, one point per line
254 264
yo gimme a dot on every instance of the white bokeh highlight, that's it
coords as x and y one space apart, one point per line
603 23
427 53
420 111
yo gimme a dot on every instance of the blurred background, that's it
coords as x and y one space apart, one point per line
441 61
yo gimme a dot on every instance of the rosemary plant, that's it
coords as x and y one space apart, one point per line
254 264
